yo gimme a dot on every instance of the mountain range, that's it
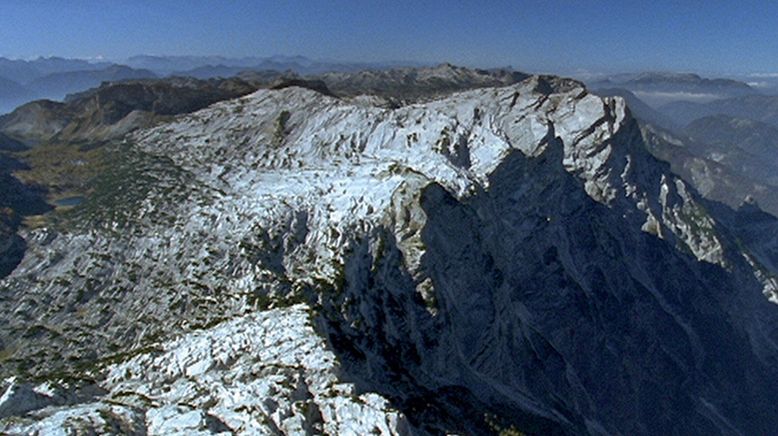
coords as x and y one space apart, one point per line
473 252
113 109
32 83
656 88
748 145
698 159
426 250
24 71
212 66
724 146
54 78
60 143
762 108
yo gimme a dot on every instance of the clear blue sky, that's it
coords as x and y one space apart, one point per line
549 35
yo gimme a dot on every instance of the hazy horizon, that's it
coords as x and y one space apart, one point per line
551 36
578 72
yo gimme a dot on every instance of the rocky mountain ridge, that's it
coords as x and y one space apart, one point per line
79 118
505 257
35 81
60 144
408 85
114 109
727 159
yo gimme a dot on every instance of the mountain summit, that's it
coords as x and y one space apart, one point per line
505 258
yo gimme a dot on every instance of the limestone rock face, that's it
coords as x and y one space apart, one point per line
288 262
264 373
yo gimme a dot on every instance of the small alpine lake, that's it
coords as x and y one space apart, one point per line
69 201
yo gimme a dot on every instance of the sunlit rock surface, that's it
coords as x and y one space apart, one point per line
260 374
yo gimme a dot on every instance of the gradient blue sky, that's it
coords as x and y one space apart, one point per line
551 35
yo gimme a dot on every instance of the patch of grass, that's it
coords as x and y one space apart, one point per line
281 125
63 169
7 353
35 221
497 428
213 322
117 191
125 356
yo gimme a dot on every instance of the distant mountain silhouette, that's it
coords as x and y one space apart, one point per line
762 108
12 94
661 88
23 71
58 85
